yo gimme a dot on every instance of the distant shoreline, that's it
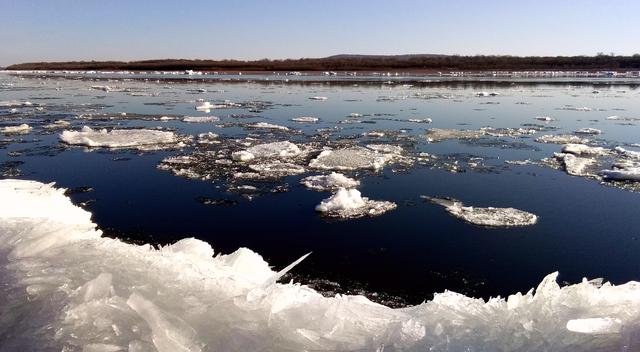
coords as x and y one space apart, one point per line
422 64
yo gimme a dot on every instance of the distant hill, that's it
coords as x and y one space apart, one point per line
349 62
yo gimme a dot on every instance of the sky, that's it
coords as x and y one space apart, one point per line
62 30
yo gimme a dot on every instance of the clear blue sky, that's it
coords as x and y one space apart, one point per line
55 30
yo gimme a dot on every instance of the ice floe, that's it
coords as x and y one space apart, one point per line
200 119
66 288
582 149
142 139
306 119
19 129
349 204
329 182
490 216
588 131
352 158
561 139
269 126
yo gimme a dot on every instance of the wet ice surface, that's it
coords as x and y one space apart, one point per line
253 177
67 288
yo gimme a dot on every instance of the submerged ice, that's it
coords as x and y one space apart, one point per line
67 288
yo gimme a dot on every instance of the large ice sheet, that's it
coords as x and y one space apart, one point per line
66 288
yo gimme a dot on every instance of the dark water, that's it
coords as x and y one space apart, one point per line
585 229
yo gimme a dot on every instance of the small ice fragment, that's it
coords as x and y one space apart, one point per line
544 118
319 98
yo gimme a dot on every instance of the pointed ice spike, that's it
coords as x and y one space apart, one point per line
282 272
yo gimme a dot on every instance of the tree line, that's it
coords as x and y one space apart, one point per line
360 63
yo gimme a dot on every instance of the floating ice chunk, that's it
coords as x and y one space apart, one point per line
561 139
425 120
355 114
135 138
574 165
624 170
204 106
307 119
487 94
582 149
373 134
282 149
349 203
207 138
435 135
623 174
267 125
595 325
182 299
329 182
493 217
622 118
102 88
588 131
544 118
350 159
385 148
200 119
277 169
242 155
628 153
319 98
57 124
19 129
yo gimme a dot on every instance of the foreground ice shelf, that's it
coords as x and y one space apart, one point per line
66 288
